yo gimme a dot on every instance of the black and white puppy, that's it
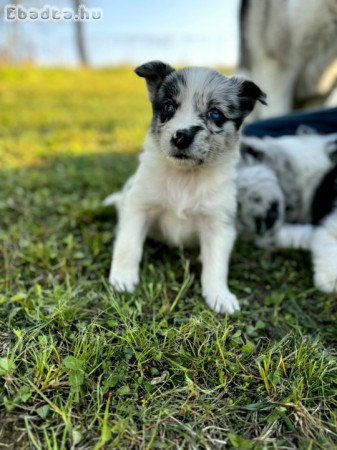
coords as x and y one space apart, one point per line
184 190
287 196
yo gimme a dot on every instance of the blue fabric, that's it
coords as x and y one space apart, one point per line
324 121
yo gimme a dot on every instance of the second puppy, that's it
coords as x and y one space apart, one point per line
184 190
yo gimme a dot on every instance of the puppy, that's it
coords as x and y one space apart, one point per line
261 204
299 162
184 190
301 213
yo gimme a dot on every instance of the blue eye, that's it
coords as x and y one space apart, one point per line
167 111
216 116
169 108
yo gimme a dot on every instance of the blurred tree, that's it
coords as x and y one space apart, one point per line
79 36
11 50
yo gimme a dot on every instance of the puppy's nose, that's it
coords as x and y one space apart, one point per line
183 139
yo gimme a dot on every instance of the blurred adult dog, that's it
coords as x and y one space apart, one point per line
184 190
290 48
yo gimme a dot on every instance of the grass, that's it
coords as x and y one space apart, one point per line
82 367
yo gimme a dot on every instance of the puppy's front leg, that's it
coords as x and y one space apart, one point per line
216 243
128 249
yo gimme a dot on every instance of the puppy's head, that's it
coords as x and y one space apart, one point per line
197 112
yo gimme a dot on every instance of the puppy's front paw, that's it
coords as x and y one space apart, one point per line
222 301
124 281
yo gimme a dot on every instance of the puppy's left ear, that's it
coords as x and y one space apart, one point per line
154 73
248 94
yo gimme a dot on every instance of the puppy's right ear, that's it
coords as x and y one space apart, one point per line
154 73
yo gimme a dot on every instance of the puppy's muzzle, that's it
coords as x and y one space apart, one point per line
183 139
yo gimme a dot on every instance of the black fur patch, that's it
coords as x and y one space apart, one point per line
247 150
263 224
238 122
249 94
194 130
181 77
332 150
170 89
184 138
154 73
325 197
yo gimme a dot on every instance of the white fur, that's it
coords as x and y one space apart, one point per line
308 156
321 241
287 47
324 249
298 236
179 206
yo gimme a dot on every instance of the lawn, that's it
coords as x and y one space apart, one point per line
82 367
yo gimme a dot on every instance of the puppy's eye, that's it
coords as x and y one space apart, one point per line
169 108
167 111
216 116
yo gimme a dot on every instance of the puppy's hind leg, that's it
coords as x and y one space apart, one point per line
216 243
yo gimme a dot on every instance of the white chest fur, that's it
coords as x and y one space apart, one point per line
179 201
